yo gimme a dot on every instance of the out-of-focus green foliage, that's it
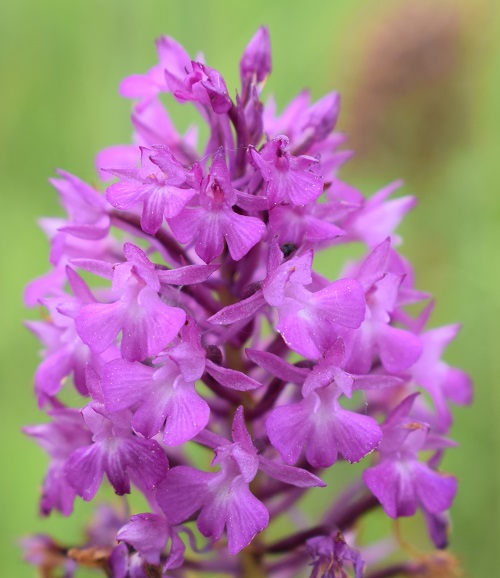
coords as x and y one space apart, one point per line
61 64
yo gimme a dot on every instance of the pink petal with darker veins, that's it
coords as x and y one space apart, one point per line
343 301
146 459
146 533
241 233
187 414
149 326
393 486
126 195
435 490
98 324
183 492
399 349
246 517
355 434
84 471
123 383
289 428
153 210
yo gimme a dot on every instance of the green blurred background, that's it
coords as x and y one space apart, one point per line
421 100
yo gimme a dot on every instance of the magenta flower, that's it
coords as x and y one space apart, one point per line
331 554
308 226
319 423
66 354
206 328
146 322
116 452
149 534
60 438
212 220
289 179
173 58
400 481
444 383
397 348
205 86
224 499
308 321
377 218
159 395
86 207
157 185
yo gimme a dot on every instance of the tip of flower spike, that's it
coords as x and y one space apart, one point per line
256 59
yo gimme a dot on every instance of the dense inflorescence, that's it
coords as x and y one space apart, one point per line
184 309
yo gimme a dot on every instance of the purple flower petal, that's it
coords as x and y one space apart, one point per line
241 233
239 430
242 310
147 323
435 491
246 517
343 301
125 195
289 428
98 324
457 387
183 492
56 494
399 349
293 274
123 383
374 266
146 533
231 378
278 366
187 415
393 487
175 557
146 460
189 275
355 435
303 333
159 395
289 474
153 211
289 179
84 471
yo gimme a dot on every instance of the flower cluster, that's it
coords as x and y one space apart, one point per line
183 307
